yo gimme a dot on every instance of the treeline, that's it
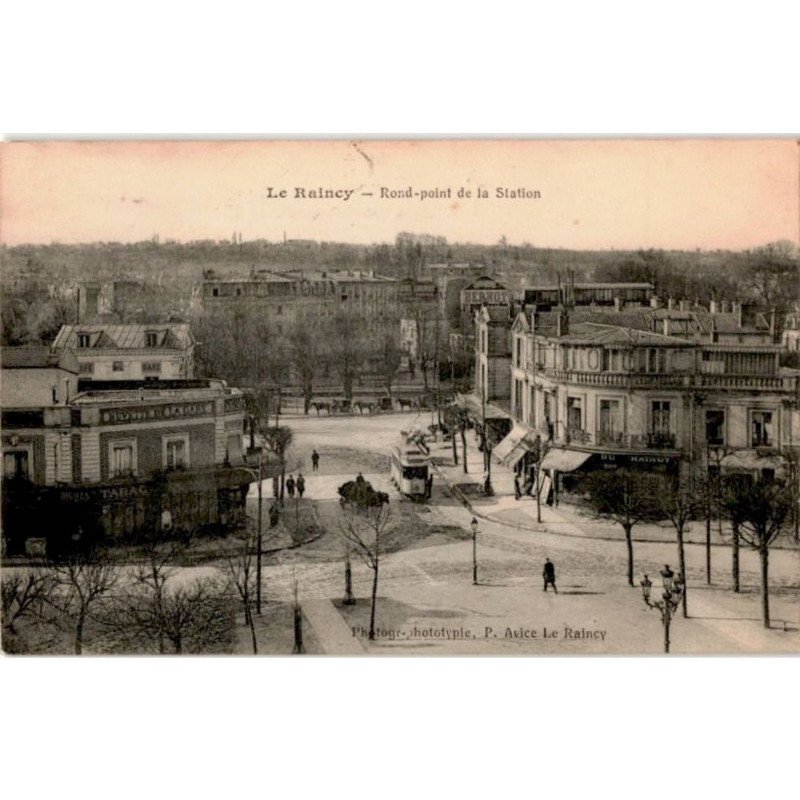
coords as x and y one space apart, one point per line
249 350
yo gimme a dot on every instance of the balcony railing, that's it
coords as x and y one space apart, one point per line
620 441
632 380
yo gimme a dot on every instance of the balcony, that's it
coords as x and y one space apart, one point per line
620 441
675 380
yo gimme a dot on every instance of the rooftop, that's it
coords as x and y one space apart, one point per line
172 336
37 357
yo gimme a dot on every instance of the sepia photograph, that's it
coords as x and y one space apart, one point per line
509 397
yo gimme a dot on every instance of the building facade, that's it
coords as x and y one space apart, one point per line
109 465
600 396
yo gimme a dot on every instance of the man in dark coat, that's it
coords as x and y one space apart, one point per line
290 486
315 460
549 575
301 485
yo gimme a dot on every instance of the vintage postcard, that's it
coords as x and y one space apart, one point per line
491 397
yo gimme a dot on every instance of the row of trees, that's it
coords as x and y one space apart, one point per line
145 608
758 512
249 349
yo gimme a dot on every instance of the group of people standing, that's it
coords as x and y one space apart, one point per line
299 484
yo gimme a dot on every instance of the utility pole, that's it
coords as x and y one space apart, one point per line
260 533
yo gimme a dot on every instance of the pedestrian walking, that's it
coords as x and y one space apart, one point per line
301 485
517 490
315 460
549 575
290 486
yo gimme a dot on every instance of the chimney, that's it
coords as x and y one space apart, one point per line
684 305
714 308
617 304
670 304
736 308
655 302
666 326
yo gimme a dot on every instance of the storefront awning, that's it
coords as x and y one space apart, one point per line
511 449
564 460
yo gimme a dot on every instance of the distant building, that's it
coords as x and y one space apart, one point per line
116 300
484 291
157 351
583 294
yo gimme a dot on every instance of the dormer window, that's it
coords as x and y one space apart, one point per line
84 340
151 339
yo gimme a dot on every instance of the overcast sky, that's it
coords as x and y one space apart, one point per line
593 194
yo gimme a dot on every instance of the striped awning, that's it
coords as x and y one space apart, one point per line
518 442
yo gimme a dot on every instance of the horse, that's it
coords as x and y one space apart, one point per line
321 405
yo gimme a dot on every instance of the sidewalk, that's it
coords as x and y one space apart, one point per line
332 632
566 519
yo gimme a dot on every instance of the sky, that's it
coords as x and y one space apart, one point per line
592 194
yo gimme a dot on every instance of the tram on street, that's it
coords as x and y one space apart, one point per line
409 470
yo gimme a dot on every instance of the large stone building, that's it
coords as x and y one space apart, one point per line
153 351
710 394
93 466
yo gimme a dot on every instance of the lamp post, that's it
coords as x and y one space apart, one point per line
474 525
670 598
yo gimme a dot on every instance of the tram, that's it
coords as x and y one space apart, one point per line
409 470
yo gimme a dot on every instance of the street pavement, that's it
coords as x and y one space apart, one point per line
432 608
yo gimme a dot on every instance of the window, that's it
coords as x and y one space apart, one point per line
118 366
215 292
176 452
761 429
151 366
83 340
715 427
660 417
86 368
122 459
610 420
151 339
279 310
656 360
574 414
518 359
15 464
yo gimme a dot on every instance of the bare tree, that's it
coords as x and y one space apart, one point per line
346 349
279 440
759 510
24 592
679 506
241 575
82 584
627 498
389 364
194 616
362 524
305 356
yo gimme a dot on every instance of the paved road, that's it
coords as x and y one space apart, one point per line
427 596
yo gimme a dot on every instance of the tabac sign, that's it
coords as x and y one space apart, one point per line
122 414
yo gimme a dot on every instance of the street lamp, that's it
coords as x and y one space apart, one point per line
670 598
474 525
